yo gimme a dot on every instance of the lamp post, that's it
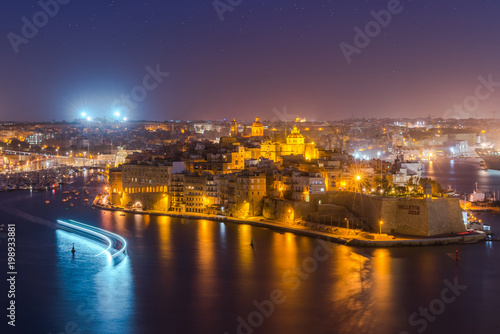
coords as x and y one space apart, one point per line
380 224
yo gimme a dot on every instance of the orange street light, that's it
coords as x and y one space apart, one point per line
381 223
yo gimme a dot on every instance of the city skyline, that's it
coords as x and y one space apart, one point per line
232 166
211 60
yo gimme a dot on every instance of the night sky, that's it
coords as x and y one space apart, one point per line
264 55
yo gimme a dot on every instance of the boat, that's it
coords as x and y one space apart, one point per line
478 226
491 158
450 191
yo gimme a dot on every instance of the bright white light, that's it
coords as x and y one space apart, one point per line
89 119
101 234
117 113
124 119
84 114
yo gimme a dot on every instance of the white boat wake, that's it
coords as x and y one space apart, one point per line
116 245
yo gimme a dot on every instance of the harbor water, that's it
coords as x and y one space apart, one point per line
199 276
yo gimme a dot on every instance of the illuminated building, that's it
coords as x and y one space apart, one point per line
143 186
157 127
36 138
234 128
221 163
257 128
116 185
250 189
295 145
297 185
306 184
192 192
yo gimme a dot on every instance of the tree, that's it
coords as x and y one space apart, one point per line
437 190
412 185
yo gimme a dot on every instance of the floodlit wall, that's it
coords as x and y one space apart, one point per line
412 216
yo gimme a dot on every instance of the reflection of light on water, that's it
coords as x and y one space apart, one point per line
245 251
138 222
99 294
462 174
206 263
223 232
114 297
285 250
102 237
120 226
65 241
117 245
164 227
205 245
382 280
352 294
106 219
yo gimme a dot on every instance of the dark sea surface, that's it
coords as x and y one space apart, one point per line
199 276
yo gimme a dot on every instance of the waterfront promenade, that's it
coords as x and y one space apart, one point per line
351 237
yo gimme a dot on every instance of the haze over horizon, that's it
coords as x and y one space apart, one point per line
423 60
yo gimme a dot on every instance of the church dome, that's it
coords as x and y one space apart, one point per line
257 123
257 128
295 133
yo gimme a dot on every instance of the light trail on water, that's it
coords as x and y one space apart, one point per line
116 244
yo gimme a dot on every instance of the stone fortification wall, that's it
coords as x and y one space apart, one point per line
148 201
289 211
413 216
